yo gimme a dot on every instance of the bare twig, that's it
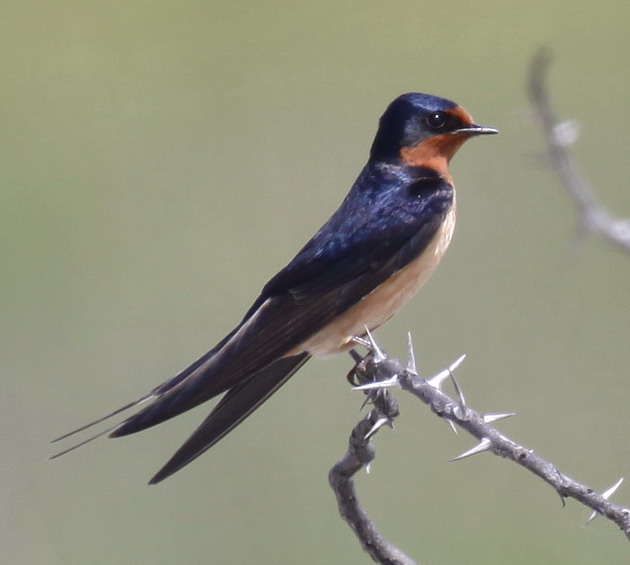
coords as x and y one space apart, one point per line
377 372
594 218
360 453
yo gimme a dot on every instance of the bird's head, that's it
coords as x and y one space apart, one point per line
423 130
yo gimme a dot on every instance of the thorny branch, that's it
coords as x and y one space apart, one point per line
360 454
375 373
559 136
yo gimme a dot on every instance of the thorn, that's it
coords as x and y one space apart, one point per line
376 427
460 395
483 445
489 418
411 358
361 341
387 383
605 495
608 493
365 402
457 362
453 426
437 380
592 517
377 352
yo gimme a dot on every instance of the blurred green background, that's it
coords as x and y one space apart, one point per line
161 160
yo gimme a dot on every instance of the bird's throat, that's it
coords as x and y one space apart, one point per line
434 153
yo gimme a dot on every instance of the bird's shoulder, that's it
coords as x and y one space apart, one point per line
388 206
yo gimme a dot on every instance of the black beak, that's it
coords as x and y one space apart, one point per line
476 129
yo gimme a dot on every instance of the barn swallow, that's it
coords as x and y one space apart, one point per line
359 269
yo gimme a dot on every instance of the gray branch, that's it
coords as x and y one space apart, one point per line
360 454
377 372
559 136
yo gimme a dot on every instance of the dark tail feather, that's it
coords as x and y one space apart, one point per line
156 392
98 421
238 403
82 443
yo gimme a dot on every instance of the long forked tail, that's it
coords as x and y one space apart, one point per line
238 403
155 393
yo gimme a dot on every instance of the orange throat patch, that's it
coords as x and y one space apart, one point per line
434 153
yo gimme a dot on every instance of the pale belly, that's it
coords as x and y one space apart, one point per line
384 301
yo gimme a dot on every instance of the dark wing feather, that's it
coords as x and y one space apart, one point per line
379 228
279 326
247 395
238 403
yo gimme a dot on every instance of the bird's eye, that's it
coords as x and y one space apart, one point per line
436 121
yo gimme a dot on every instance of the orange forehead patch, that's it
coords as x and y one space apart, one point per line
462 114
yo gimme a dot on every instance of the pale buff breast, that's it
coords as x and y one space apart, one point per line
385 300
